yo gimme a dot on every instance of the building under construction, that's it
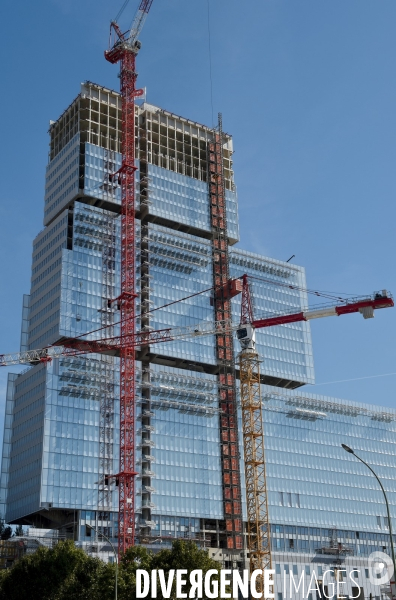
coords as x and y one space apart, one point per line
61 441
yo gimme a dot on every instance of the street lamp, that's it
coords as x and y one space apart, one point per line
115 555
348 449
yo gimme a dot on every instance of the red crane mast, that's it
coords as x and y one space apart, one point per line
124 51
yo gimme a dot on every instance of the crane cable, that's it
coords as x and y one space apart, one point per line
144 314
316 293
123 7
210 65
328 295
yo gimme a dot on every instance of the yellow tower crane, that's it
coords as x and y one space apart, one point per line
258 539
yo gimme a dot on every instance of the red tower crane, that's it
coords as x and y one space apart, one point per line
113 346
124 51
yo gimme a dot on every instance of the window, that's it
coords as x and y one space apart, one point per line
295 570
351 534
289 529
87 531
277 528
303 545
386 522
289 499
279 544
291 544
286 567
366 571
320 570
307 570
355 573
280 597
379 521
356 592
277 569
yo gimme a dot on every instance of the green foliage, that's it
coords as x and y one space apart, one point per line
5 532
134 558
67 573
63 573
183 555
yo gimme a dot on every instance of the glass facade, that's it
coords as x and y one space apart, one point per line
179 198
70 467
62 179
180 267
23 442
99 163
183 199
312 480
276 287
186 447
82 303
311 540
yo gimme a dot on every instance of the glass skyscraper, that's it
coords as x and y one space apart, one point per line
61 434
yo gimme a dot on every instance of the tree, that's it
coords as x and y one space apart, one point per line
67 573
137 557
62 573
5 532
183 555
19 530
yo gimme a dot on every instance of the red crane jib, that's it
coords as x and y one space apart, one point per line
115 344
145 5
353 307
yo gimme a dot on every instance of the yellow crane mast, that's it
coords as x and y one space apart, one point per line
258 539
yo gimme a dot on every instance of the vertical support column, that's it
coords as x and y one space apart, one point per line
127 304
147 457
107 371
256 485
145 301
232 538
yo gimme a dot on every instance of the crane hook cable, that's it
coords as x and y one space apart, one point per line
328 295
145 313
192 296
210 64
123 7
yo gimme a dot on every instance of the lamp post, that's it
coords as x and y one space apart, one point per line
348 449
115 555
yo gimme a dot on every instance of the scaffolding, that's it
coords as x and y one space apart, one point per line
107 370
231 477
144 521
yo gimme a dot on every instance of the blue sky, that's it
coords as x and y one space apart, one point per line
307 89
